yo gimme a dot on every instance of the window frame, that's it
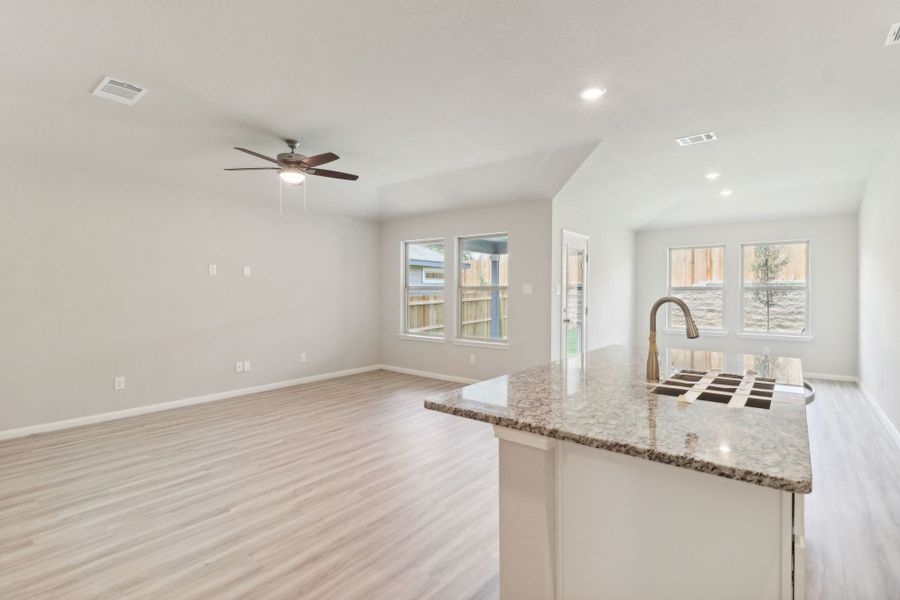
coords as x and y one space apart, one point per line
407 287
804 336
721 331
460 339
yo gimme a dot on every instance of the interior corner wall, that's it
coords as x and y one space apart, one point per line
879 284
610 297
832 287
528 225
104 277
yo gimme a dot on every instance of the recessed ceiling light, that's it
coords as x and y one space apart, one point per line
713 175
726 192
592 93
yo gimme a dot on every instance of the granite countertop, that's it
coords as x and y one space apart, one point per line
601 399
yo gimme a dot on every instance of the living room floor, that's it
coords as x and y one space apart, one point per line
348 488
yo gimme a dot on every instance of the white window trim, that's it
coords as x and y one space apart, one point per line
786 337
405 334
709 332
767 335
461 340
412 337
475 343
704 332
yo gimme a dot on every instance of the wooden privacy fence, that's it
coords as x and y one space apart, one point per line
478 271
705 266
690 267
425 314
475 315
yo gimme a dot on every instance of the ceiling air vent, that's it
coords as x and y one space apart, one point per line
119 91
893 35
699 138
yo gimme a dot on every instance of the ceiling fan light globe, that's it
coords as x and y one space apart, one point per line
292 175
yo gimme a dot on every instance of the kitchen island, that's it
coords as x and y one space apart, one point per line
615 487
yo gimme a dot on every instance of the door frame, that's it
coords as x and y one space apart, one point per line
565 238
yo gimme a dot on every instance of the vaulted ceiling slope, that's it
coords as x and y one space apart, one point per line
803 96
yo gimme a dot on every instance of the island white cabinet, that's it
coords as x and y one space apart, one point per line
586 523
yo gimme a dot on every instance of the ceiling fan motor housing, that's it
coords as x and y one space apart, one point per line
290 157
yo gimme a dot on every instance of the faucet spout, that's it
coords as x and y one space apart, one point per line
690 329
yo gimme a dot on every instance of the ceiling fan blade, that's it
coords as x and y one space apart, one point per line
258 155
320 159
332 174
256 169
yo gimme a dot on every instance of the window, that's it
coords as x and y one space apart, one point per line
483 280
697 276
424 287
774 288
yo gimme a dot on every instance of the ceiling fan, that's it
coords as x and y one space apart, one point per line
293 167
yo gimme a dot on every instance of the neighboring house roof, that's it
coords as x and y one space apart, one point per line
425 256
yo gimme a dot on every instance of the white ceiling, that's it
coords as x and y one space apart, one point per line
422 97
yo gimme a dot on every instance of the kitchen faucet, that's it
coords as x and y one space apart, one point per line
692 333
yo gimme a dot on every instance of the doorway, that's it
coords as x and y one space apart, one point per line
574 293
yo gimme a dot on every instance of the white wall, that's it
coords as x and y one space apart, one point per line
598 204
104 277
528 225
833 285
879 284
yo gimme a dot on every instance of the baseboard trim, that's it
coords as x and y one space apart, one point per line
879 412
832 377
10 434
429 374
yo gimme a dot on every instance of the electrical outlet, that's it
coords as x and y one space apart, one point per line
119 383
239 366
302 357
212 269
558 290
246 366
246 270
527 289
471 359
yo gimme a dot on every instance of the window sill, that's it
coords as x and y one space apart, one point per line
703 332
411 337
785 337
480 344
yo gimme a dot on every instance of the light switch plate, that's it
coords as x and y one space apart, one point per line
558 290
119 383
527 289
471 359
212 269
246 366
247 271
239 366
302 357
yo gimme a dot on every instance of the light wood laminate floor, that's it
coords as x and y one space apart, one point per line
349 489
346 488
853 513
